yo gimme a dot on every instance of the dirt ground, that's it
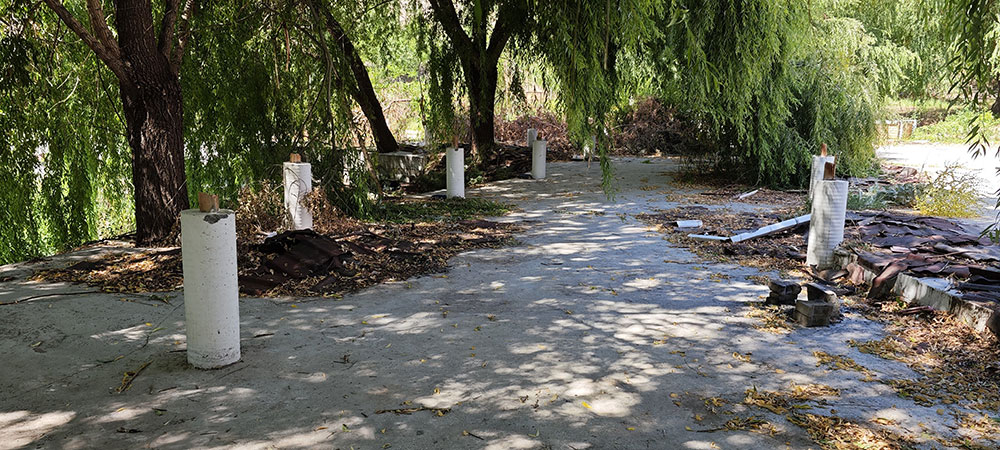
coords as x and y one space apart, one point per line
594 332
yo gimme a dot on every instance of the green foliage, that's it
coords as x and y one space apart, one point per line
955 127
64 177
954 192
880 197
973 27
763 81
770 83
872 198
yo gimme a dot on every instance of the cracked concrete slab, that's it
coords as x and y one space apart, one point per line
594 332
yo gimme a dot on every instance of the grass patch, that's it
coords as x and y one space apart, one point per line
453 209
954 128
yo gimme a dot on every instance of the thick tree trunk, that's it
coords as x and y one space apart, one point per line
482 85
364 92
155 127
995 109
154 120
479 57
147 69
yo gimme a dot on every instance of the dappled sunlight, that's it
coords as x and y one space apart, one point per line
593 333
21 428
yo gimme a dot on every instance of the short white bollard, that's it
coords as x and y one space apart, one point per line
455 161
826 229
531 137
211 292
538 159
818 167
298 184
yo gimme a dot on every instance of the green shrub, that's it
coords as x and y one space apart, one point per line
953 193
872 198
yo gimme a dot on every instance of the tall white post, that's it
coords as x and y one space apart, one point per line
531 137
538 159
455 161
298 183
826 229
211 292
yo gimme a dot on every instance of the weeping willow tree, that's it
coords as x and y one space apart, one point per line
578 42
65 175
769 82
271 78
972 28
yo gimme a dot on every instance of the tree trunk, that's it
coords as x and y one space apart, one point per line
155 128
154 120
147 68
995 109
482 85
364 92
479 56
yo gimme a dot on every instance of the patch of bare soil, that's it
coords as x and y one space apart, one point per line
303 263
782 251
709 195
370 254
146 271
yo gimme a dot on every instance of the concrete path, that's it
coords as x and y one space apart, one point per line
932 157
593 333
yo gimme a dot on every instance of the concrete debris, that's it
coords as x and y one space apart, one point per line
772 229
810 313
783 292
821 293
689 224
705 237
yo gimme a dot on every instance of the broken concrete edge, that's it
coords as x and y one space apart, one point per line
933 292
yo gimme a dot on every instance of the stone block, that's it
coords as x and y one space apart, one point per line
784 288
775 299
400 166
821 293
811 313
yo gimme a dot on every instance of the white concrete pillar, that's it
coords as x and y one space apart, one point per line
455 161
826 229
298 183
531 137
211 292
818 166
538 159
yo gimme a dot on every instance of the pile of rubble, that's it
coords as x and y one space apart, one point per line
889 244
818 309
